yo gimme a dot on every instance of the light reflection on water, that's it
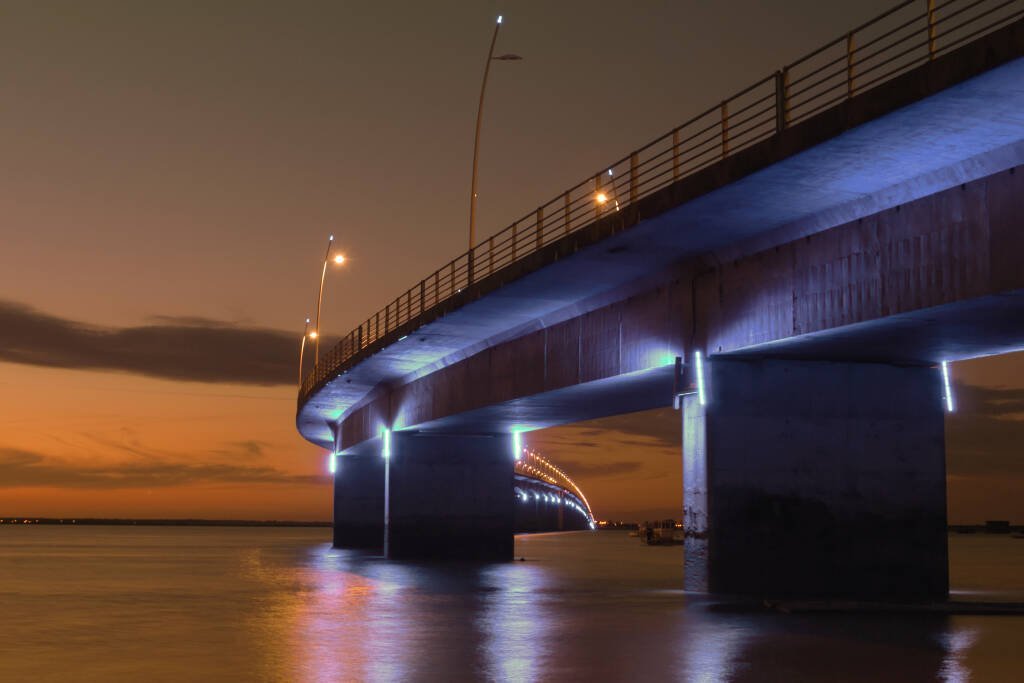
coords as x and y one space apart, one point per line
280 604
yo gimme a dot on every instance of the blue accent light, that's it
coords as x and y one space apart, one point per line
698 364
517 444
332 463
945 383
385 450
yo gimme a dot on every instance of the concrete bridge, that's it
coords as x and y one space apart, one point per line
791 269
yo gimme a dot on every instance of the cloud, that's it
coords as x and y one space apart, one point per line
582 468
188 349
985 436
19 469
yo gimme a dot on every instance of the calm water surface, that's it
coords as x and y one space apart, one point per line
236 604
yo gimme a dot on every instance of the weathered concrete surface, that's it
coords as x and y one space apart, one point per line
947 122
450 497
822 479
359 502
695 494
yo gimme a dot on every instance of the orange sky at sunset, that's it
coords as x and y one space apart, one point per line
171 174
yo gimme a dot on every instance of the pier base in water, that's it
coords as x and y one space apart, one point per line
816 479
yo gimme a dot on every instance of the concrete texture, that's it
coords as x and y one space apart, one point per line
359 502
695 495
822 480
450 497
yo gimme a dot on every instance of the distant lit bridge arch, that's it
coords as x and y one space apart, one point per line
547 499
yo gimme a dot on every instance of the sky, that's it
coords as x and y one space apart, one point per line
171 173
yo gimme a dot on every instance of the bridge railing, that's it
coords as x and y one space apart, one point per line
902 38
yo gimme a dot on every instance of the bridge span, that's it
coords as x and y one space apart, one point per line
790 268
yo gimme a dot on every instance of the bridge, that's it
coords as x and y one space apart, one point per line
792 269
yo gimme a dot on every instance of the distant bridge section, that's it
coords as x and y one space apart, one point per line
546 498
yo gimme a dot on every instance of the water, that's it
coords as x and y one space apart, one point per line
240 604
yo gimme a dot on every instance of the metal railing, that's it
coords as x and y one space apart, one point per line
904 37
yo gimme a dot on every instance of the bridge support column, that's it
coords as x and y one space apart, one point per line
816 479
359 502
451 497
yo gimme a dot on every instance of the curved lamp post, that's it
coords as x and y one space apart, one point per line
302 351
476 139
315 334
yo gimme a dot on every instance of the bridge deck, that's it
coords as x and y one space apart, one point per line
949 121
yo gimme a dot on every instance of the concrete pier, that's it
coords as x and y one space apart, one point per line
359 502
450 497
816 479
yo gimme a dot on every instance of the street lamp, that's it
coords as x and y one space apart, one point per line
476 140
302 350
315 334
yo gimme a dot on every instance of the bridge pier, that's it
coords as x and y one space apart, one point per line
359 502
450 497
816 479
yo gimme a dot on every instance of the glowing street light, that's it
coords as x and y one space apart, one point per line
315 334
302 348
479 118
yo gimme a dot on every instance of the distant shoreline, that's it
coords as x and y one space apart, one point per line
89 521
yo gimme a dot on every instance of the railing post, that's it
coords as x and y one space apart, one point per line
725 129
376 326
387 319
423 295
540 226
469 267
849 64
675 154
490 255
515 238
931 29
451 279
437 287
633 183
597 192
567 212
780 101
359 338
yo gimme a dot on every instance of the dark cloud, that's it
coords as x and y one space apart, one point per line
19 469
985 436
582 468
190 349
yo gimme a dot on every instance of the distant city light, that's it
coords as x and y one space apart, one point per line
949 390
